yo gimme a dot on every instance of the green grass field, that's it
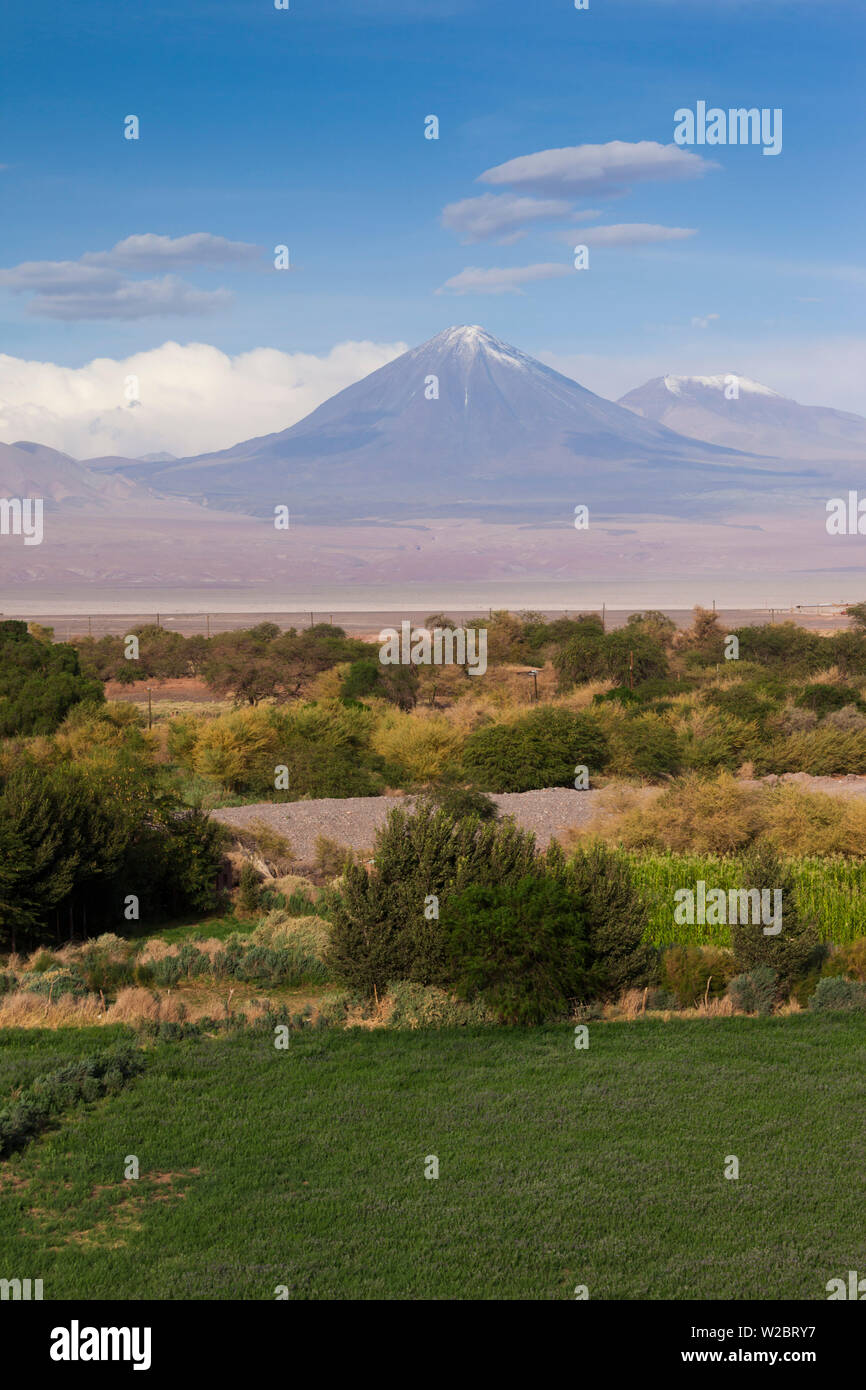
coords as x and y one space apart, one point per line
558 1167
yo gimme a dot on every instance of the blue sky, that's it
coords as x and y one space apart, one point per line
306 127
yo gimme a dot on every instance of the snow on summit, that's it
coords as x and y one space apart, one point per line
675 384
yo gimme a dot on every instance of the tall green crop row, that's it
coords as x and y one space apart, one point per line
830 890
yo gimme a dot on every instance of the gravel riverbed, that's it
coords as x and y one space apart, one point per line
353 821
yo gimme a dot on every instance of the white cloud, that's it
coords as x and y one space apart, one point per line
502 216
148 251
93 287
608 169
704 322
632 234
129 299
194 398
502 279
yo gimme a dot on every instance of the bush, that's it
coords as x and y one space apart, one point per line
839 993
541 750
427 1006
87 1079
796 948
421 747
823 752
644 746
459 802
616 917
55 983
662 999
824 697
688 971
249 889
755 991
39 682
384 925
332 859
520 947
704 816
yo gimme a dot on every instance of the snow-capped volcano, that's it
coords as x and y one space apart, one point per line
724 381
738 413
464 425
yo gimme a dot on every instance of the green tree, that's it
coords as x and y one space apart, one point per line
39 682
384 924
616 916
540 750
791 952
520 946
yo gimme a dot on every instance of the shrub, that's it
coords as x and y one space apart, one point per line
269 845
822 752
853 957
803 823
755 991
332 858
662 999
839 993
521 947
383 924
86 1079
795 948
55 983
540 750
421 747
427 1006
459 802
689 971
824 697
705 816
616 917
43 961
644 746
249 889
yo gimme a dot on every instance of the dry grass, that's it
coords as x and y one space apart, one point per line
24 1009
278 929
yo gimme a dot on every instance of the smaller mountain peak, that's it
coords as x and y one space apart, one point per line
675 384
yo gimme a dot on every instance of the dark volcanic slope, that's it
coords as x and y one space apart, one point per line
507 437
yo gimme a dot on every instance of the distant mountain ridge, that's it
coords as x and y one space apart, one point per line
755 419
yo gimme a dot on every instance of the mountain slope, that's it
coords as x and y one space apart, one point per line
759 420
466 425
34 470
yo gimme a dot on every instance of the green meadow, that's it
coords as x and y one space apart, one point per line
304 1168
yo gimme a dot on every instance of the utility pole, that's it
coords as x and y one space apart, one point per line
149 710
602 617
208 626
89 628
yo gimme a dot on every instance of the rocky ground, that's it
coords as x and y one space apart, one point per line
353 821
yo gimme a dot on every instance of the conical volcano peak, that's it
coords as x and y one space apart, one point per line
469 339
